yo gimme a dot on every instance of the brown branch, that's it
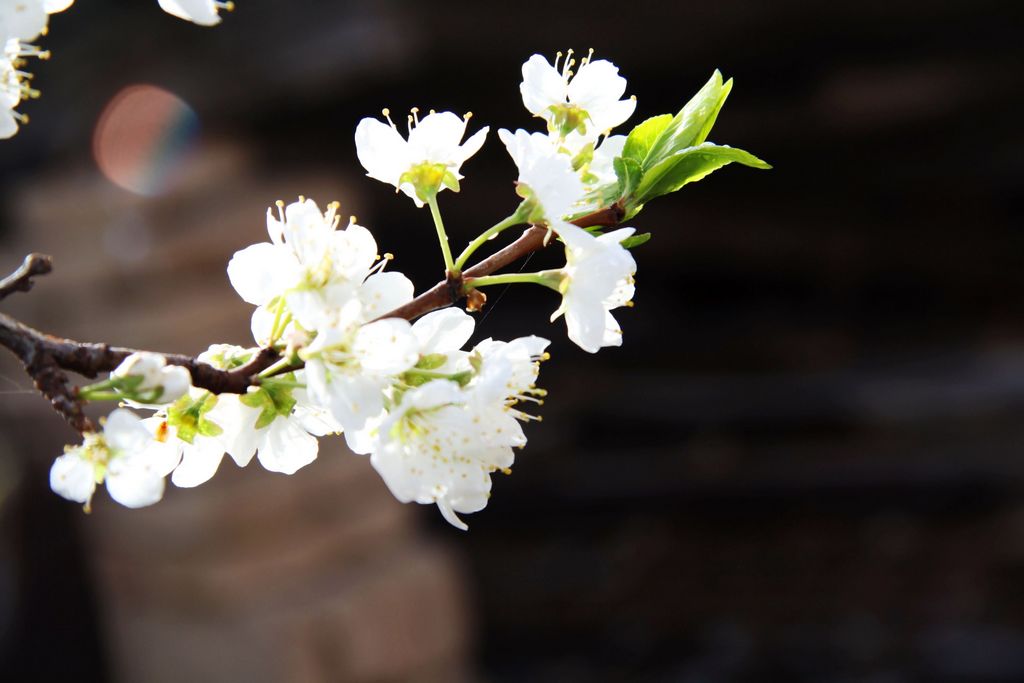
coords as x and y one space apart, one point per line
46 358
449 292
21 279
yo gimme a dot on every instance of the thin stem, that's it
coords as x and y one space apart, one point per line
489 233
546 279
442 237
275 368
277 328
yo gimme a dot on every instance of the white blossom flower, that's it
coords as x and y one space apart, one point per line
314 268
202 12
349 364
597 278
429 452
439 337
545 176
584 105
275 422
441 440
425 163
15 83
601 170
126 455
147 378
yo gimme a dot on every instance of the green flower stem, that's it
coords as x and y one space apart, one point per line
277 329
277 367
511 221
442 237
87 395
549 279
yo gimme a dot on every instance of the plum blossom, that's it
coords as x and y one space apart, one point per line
202 12
349 364
443 438
275 422
425 163
598 277
546 177
125 455
313 268
577 107
428 452
147 378
15 83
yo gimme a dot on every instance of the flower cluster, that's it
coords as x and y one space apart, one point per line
24 21
350 351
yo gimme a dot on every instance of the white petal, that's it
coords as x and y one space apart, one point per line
443 331
125 432
199 462
238 422
542 86
133 487
449 514
382 151
353 251
436 138
55 6
586 324
73 477
262 271
472 145
595 84
286 447
8 124
384 292
22 19
386 346
202 12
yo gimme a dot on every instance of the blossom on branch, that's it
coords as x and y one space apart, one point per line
577 107
597 278
125 455
425 163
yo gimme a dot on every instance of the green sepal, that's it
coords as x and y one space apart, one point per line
635 240
188 417
450 181
462 378
272 399
686 166
431 361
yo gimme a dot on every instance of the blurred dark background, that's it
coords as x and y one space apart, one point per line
805 464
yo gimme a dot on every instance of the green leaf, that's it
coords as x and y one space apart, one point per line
636 240
687 166
693 123
629 174
642 137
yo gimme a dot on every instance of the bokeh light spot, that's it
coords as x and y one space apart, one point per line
143 137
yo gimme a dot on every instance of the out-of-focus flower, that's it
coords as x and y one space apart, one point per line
202 12
125 455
